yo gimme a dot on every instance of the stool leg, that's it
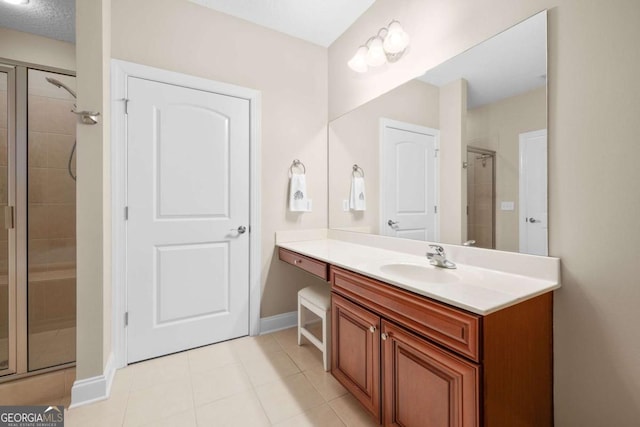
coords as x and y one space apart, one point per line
300 322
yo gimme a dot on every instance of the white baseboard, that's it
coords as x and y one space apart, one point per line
93 389
278 322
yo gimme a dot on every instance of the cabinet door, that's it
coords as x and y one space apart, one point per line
424 385
355 351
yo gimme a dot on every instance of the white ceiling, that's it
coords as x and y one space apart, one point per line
55 19
317 21
511 63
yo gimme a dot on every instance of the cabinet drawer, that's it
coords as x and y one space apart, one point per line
453 328
315 267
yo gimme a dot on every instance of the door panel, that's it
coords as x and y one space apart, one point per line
408 183
355 352
188 192
533 193
425 385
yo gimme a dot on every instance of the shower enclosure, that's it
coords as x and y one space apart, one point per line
481 201
37 233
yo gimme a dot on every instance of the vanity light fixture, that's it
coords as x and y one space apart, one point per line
387 46
17 1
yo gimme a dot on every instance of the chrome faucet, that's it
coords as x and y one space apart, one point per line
438 258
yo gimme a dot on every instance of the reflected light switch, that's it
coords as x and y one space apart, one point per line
507 206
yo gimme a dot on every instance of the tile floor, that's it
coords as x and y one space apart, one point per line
254 381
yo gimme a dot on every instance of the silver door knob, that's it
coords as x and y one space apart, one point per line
391 223
533 220
241 230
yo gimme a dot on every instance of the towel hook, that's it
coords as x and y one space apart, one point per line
357 169
297 164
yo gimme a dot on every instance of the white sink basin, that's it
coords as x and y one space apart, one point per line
422 273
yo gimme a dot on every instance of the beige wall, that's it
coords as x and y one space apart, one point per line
593 149
453 151
497 127
292 77
25 47
355 138
92 190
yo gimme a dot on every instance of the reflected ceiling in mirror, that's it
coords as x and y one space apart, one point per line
457 155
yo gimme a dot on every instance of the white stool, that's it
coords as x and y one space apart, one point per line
316 299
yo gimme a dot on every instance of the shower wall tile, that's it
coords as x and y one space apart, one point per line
59 150
3 109
62 252
62 221
37 110
37 147
37 185
60 299
38 253
3 185
50 115
60 188
3 146
38 222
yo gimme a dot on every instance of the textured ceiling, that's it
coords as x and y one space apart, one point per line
49 18
317 21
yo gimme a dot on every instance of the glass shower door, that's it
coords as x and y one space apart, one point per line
51 220
7 280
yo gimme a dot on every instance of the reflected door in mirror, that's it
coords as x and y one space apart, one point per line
533 193
408 181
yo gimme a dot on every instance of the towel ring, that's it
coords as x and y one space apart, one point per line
297 164
357 169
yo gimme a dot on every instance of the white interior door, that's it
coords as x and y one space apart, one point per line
533 193
408 181
187 196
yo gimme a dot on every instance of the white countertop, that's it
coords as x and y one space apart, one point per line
476 289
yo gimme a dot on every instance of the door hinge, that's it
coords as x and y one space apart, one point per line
126 105
435 209
126 319
126 213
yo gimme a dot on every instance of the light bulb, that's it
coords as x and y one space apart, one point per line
17 1
376 55
359 63
396 39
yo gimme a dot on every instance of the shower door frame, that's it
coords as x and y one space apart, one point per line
17 196
12 297
477 150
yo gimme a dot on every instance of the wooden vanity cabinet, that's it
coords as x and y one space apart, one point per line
425 385
412 361
355 356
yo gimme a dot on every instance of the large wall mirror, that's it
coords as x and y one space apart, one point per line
457 155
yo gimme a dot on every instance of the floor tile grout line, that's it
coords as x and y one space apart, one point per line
193 393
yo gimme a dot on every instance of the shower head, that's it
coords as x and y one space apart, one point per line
59 84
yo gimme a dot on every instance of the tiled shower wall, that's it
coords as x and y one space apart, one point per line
480 222
51 222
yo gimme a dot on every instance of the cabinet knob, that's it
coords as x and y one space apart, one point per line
384 336
297 261
372 328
